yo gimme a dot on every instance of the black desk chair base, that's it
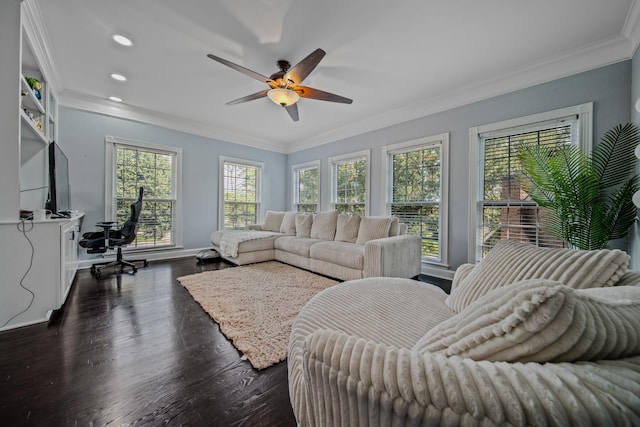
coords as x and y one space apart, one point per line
96 269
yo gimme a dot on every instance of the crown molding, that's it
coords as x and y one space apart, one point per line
98 105
631 28
585 59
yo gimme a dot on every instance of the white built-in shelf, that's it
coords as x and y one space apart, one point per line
29 100
29 130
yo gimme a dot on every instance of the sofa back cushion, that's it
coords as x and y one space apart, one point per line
540 320
394 228
347 228
303 225
373 227
509 261
288 225
324 225
272 221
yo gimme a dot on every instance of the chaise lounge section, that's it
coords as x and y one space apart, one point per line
346 247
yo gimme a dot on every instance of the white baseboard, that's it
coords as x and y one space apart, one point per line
22 324
152 255
440 272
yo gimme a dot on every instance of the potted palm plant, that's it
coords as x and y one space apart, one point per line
588 197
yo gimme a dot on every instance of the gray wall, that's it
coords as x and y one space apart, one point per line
608 88
82 137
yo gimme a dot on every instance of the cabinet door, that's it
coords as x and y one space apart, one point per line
69 247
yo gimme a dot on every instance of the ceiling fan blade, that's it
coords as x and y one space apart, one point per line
293 111
251 97
240 68
303 68
311 93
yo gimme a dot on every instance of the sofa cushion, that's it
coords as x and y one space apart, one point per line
509 261
373 227
347 228
394 228
540 320
288 225
272 221
303 225
295 245
340 253
324 225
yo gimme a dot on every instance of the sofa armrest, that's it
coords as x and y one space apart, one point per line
461 273
397 256
353 381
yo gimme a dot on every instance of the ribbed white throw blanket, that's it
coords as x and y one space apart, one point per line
231 239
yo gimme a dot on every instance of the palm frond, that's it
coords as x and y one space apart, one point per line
622 212
611 157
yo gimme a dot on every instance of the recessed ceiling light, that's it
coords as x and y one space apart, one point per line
124 41
115 98
118 77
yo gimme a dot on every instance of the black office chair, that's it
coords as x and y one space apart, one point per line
97 242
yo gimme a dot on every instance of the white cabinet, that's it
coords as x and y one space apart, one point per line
38 261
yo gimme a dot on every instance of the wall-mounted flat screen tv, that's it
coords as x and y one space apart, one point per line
59 193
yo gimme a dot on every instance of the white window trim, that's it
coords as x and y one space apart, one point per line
294 180
585 141
366 154
221 163
110 170
442 140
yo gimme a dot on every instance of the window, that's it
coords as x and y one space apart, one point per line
135 164
350 183
241 192
417 188
306 187
502 209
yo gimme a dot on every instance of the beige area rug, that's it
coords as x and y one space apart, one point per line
255 305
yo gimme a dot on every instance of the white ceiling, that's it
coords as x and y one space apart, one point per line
397 60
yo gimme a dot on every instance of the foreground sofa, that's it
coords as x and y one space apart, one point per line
528 336
341 246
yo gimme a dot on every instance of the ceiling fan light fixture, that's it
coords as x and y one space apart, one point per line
282 96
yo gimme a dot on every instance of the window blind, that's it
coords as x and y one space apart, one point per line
350 180
155 171
241 195
505 210
416 195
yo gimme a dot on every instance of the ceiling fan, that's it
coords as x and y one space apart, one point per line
285 89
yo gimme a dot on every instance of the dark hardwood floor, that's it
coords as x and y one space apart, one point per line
135 350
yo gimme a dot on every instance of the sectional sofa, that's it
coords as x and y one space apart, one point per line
527 337
342 246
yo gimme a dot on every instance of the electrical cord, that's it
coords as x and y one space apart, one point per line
24 232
